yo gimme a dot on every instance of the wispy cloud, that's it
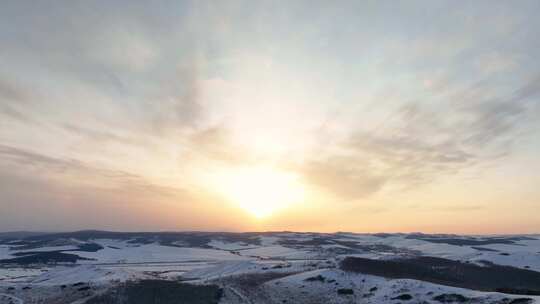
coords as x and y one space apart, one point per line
178 106
79 174
422 143
13 99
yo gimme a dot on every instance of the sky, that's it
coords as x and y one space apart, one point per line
362 116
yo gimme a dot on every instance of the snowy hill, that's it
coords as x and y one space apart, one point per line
276 267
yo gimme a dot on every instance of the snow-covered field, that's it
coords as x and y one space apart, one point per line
279 267
153 253
365 289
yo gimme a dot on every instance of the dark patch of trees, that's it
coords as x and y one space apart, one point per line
43 258
159 291
319 278
451 298
345 291
88 247
484 249
468 241
490 277
403 297
177 239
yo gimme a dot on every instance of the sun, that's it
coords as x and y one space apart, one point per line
261 191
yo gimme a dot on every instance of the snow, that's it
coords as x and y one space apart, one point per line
446 251
84 273
49 248
268 240
370 289
222 269
7 298
19 274
4 252
120 260
155 253
521 259
277 251
229 246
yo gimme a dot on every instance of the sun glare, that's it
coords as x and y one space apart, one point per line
261 191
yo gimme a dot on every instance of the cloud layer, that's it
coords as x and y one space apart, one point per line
131 104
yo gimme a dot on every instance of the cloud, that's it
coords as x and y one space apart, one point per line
12 98
98 92
345 177
38 191
27 158
100 136
11 92
424 141
178 106
9 111
495 62
490 120
213 143
118 47
73 173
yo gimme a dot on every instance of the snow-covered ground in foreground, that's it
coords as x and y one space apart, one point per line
365 289
16 274
292 257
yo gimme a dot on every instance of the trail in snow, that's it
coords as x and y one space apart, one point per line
17 300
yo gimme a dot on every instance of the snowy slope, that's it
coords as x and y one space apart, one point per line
153 253
365 289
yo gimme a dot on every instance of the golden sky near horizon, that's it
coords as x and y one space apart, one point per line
262 115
